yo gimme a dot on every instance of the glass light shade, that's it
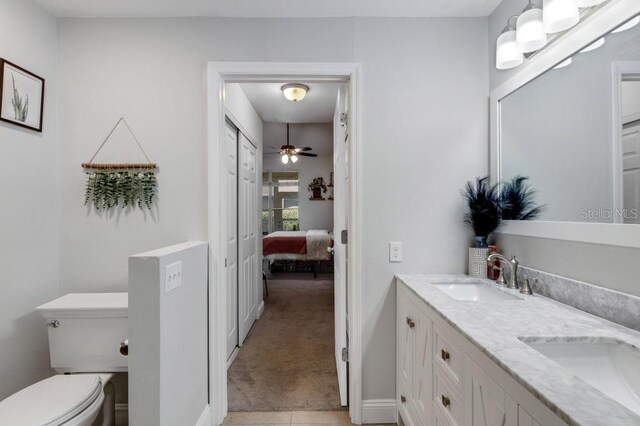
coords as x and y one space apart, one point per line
627 25
294 158
560 15
589 3
507 53
530 34
285 159
593 46
563 64
295 92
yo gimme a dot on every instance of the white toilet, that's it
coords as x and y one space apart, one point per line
88 343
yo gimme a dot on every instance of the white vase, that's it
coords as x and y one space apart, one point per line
478 262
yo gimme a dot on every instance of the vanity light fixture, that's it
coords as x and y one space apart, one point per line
530 34
563 64
508 55
295 92
593 46
627 25
560 15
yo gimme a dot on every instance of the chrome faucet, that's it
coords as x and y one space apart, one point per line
513 268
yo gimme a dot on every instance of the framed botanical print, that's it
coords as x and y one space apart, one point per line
21 96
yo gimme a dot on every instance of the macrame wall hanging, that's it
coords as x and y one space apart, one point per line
111 185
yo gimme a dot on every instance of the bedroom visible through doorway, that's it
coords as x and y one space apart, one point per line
290 358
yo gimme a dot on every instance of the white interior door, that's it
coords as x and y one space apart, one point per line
248 236
631 172
231 142
340 223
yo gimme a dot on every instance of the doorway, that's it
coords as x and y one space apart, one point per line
220 74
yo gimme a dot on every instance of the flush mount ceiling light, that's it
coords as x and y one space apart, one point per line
508 55
295 91
560 15
627 25
593 46
530 34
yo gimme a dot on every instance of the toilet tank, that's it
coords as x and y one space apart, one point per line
86 331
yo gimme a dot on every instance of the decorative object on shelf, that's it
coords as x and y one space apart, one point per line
21 96
484 214
317 187
121 184
517 199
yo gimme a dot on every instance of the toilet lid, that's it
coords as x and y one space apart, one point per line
52 401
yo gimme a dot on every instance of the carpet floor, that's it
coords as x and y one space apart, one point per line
287 362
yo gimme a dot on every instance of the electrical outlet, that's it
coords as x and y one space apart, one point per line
395 251
173 276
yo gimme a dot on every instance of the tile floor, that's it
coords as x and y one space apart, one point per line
293 418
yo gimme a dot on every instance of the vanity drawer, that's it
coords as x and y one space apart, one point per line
447 399
447 356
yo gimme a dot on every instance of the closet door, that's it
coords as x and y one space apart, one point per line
248 235
231 142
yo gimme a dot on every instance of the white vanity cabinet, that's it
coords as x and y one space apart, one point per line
443 379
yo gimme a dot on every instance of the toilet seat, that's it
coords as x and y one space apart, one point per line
51 402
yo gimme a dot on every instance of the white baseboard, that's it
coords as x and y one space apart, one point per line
260 310
379 411
233 356
205 417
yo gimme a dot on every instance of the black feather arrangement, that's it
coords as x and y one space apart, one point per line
518 200
484 208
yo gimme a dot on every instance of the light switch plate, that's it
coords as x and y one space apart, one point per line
173 276
395 251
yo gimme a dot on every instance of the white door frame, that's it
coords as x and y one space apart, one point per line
219 73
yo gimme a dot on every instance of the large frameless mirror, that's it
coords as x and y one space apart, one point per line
574 131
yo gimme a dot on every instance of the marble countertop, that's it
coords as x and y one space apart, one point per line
495 328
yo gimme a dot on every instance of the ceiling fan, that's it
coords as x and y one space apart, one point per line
290 152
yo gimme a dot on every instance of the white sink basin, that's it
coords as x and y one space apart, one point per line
609 365
474 291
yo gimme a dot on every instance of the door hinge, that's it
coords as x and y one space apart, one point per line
345 354
344 236
225 262
343 119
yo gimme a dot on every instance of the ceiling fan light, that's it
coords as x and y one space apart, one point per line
560 15
530 34
285 159
294 92
294 158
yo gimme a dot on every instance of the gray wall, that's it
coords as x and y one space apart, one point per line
424 107
612 267
29 218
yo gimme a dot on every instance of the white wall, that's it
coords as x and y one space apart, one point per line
152 70
313 214
612 267
168 361
29 216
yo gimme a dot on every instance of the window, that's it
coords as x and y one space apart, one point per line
280 202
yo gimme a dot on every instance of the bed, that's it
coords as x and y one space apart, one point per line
305 246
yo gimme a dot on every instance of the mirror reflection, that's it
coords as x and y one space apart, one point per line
575 132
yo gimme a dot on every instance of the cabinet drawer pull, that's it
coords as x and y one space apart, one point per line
410 323
445 355
403 399
445 401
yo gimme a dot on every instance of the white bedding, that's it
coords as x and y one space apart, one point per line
318 242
